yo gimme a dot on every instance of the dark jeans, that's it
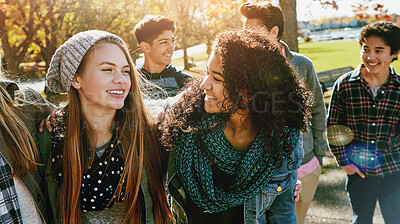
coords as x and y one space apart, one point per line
363 194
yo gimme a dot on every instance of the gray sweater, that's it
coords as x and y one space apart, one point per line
314 142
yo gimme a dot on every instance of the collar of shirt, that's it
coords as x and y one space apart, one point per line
356 75
287 53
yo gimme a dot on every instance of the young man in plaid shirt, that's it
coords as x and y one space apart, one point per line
364 125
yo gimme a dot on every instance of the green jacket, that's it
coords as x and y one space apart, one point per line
53 189
33 109
50 183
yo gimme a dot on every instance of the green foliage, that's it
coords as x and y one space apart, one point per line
41 26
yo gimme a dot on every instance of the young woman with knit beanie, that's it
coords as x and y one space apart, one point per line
104 164
22 199
235 136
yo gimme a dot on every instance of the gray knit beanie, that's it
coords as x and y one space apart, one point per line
68 57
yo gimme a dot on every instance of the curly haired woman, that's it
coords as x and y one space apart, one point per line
235 136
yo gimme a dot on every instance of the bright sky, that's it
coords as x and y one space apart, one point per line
312 10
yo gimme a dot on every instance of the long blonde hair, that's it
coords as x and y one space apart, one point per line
18 141
139 147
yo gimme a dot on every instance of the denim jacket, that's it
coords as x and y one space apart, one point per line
274 203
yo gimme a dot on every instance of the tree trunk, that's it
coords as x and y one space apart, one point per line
185 59
290 33
9 59
11 66
47 53
209 45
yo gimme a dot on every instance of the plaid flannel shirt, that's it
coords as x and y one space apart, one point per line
9 207
365 130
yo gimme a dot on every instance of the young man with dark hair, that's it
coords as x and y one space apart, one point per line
155 35
364 125
268 18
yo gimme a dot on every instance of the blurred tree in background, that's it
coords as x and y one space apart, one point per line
28 28
36 28
199 21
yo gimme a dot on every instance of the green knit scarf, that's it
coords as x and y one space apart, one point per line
251 170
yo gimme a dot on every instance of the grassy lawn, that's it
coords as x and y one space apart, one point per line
195 71
328 55
197 57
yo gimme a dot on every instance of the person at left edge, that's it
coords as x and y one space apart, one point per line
22 199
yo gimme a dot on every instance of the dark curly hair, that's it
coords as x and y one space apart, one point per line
388 31
258 80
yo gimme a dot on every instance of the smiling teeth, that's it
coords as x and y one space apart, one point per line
373 64
119 92
210 97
